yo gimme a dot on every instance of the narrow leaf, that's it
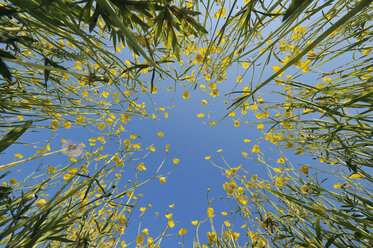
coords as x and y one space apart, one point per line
4 70
13 135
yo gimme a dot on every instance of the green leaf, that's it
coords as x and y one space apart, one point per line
46 73
318 229
7 10
93 20
331 241
196 25
4 70
7 54
60 238
13 135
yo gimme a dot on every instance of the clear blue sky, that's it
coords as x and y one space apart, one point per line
190 139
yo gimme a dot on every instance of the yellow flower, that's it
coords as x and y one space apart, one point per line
210 212
80 119
52 170
67 176
189 4
186 94
276 68
73 170
204 102
212 237
356 176
236 123
176 160
221 12
367 51
182 232
109 121
281 160
198 58
208 157
289 145
17 155
338 186
319 86
160 134
254 107
243 200
214 93
200 115
245 65
268 136
66 124
171 223
326 79
141 167
298 32
162 180
41 203
254 177
246 140
207 76
55 123
194 222
227 224
101 126
255 149
260 126
139 239
145 231
122 219
304 170
305 188
41 151
13 181
261 242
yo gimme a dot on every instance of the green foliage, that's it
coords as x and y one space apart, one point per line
13 135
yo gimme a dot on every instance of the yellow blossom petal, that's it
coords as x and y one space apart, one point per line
18 155
182 232
41 203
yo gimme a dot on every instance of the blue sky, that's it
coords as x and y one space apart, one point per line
191 139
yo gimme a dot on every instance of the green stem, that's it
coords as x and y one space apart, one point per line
7 166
